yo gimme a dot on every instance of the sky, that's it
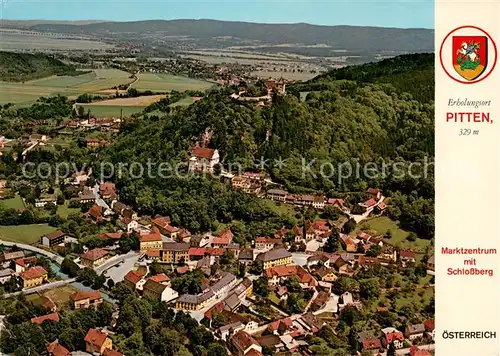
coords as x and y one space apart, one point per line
388 13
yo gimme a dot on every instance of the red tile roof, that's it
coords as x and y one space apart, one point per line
150 238
25 262
111 235
335 201
160 278
407 254
369 203
162 221
133 277
429 324
394 335
39 320
56 349
33 272
82 295
96 337
182 270
371 344
287 322
94 255
215 251
196 251
243 340
374 191
202 152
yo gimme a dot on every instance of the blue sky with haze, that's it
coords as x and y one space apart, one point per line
389 13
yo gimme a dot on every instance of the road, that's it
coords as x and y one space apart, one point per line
56 258
113 261
42 287
98 198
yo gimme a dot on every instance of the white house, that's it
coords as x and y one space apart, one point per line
203 159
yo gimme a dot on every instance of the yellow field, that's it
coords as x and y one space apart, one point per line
139 101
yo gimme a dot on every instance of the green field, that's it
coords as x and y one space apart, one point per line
108 110
27 92
381 224
26 234
167 82
183 102
64 210
13 203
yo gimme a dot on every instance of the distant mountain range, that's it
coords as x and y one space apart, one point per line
226 33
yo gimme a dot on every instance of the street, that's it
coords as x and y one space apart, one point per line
42 287
52 256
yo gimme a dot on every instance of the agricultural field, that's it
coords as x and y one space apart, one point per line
19 40
61 296
112 110
168 82
13 203
28 92
26 234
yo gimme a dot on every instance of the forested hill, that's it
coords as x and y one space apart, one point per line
227 33
18 67
410 73
344 123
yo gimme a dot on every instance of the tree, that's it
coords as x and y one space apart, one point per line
81 111
216 349
333 241
349 226
261 287
110 283
369 288
374 251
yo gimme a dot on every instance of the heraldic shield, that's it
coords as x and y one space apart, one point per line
470 56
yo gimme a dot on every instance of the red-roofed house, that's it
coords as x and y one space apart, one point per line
429 328
93 258
40 319
33 276
85 299
375 193
281 326
203 159
223 240
24 263
393 336
266 244
407 256
244 342
56 349
368 342
368 205
97 341
161 278
152 241
277 274
134 279
161 222
196 253
112 353
96 213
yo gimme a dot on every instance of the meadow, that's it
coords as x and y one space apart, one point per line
27 92
112 110
26 234
168 82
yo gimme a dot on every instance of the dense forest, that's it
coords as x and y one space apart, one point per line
20 67
355 120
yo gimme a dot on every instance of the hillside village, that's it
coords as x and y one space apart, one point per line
267 298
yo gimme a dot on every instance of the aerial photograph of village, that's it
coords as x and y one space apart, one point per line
211 187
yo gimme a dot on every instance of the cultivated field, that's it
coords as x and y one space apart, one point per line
27 92
13 203
112 110
168 82
17 40
26 234
139 101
